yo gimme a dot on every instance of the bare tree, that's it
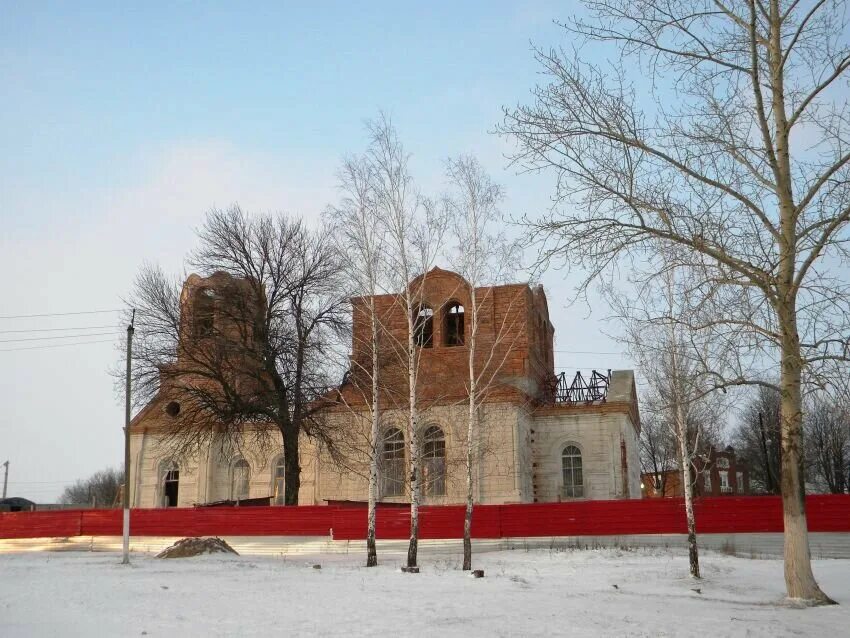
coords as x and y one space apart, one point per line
658 449
736 149
679 391
756 439
484 257
827 427
413 228
250 357
99 490
360 240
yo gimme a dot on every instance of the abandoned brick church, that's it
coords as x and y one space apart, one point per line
542 438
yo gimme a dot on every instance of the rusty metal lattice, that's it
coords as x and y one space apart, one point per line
581 390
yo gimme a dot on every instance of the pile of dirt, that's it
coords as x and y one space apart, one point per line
195 547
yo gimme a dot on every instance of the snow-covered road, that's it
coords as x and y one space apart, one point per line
524 593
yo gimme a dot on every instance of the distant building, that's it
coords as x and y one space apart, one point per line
721 474
547 438
717 474
16 504
661 484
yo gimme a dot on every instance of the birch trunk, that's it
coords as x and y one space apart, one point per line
371 549
678 396
470 437
687 483
413 439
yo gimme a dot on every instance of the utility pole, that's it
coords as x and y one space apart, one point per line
126 544
5 477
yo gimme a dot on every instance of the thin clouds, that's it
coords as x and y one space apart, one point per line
86 258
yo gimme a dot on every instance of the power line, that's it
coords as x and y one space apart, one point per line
89 334
586 352
60 329
42 482
62 314
57 345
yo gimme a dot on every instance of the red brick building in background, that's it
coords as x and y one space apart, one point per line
719 473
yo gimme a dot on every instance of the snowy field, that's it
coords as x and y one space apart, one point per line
524 593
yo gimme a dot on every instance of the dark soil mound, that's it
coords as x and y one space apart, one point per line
196 547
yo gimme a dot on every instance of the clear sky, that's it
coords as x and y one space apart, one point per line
120 126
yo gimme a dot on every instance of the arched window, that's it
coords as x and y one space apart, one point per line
571 468
434 462
169 483
240 480
453 331
204 312
392 463
278 473
423 327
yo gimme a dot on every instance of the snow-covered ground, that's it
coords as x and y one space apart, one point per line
524 593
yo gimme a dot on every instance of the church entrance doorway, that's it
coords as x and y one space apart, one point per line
170 487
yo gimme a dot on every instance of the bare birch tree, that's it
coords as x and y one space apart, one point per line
360 241
413 228
734 148
484 257
679 398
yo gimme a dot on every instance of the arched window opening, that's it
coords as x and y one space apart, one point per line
453 334
170 484
434 462
204 312
423 327
571 467
278 474
240 480
392 463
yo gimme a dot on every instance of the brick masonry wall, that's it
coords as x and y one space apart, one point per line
513 325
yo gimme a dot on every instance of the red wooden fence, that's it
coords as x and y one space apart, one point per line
826 513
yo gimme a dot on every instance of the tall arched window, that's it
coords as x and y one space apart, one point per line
278 473
423 327
392 463
169 483
571 468
453 322
204 312
240 480
434 462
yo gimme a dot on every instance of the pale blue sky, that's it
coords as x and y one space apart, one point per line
120 126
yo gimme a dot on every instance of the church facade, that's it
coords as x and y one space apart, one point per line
542 437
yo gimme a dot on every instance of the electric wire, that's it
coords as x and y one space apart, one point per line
60 329
89 334
57 345
62 314
586 352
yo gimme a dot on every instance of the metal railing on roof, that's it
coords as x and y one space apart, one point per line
580 390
